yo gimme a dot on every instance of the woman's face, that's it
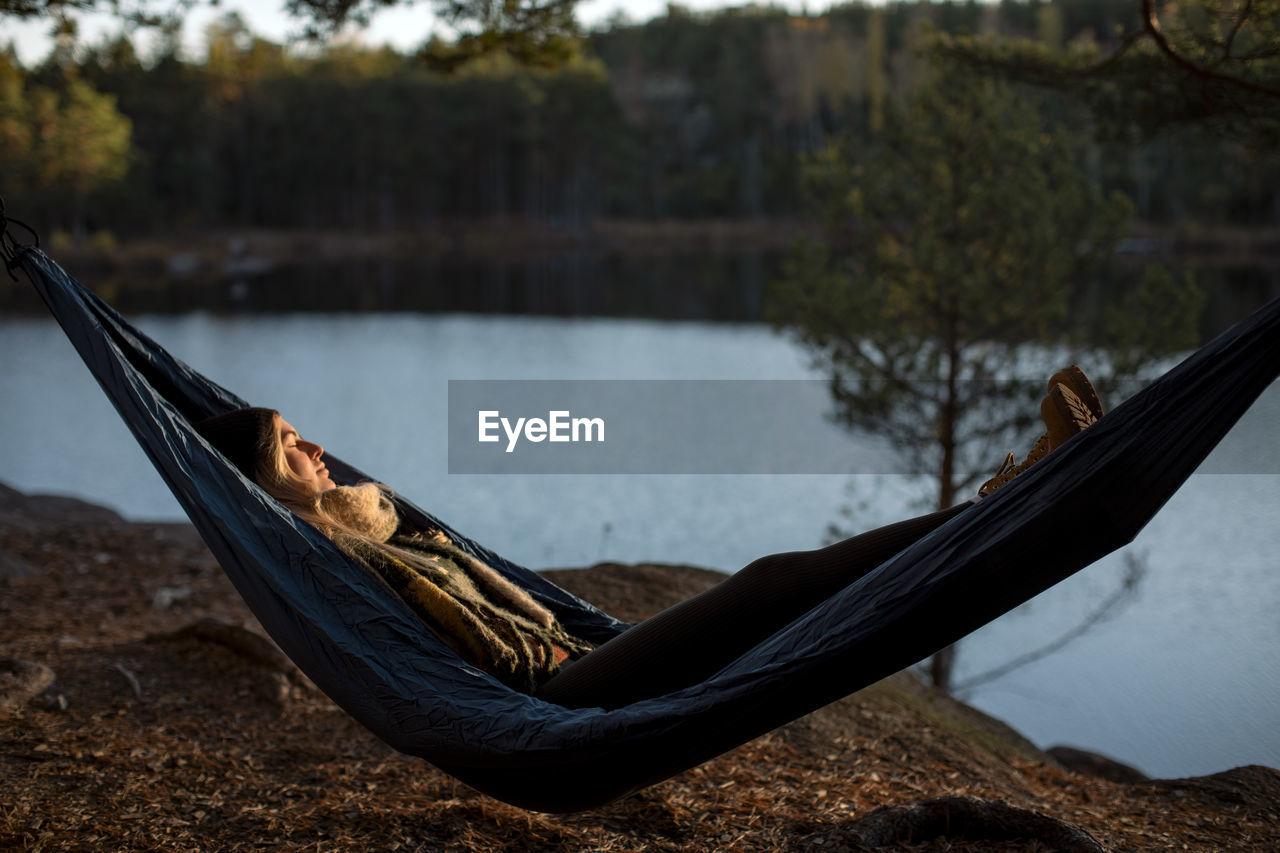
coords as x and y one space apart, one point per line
303 458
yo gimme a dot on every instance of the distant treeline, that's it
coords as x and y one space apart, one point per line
686 116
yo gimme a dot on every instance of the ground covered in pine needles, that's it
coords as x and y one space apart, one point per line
141 710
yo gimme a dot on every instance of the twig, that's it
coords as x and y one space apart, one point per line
133 679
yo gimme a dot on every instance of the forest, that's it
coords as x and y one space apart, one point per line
688 116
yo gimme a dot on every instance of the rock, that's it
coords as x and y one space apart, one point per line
166 596
1253 788
1093 764
21 681
13 567
634 592
35 511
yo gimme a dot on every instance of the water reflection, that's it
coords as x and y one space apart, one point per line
709 286
673 286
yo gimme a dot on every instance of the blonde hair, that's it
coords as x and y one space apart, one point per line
275 476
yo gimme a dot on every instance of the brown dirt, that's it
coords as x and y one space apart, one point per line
159 738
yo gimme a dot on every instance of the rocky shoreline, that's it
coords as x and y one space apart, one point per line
141 708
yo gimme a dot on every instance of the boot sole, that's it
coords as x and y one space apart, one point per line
1073 377
1065 414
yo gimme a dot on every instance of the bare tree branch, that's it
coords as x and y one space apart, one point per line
1235 29
1133 575
1151 23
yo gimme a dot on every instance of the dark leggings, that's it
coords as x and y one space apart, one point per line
691 641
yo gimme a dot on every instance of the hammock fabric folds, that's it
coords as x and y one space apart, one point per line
361 645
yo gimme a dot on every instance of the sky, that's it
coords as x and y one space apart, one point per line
404 27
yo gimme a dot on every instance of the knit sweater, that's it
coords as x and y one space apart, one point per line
489 621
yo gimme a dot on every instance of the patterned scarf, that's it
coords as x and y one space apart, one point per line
489 621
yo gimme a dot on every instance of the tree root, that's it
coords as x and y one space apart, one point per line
254 647
973 820
282 675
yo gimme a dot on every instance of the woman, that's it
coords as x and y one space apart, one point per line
497 627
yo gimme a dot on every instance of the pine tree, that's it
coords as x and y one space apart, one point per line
953 245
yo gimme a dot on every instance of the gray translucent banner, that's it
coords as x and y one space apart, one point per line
718 427
651 427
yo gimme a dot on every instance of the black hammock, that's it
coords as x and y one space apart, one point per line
364 648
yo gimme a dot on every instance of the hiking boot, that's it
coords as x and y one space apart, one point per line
1073 377
1064 414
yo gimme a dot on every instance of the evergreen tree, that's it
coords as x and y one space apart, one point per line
1204 63
60 145
952 244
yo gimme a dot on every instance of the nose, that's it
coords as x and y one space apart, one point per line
315 451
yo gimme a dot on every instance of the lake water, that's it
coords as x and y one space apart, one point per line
1183 678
